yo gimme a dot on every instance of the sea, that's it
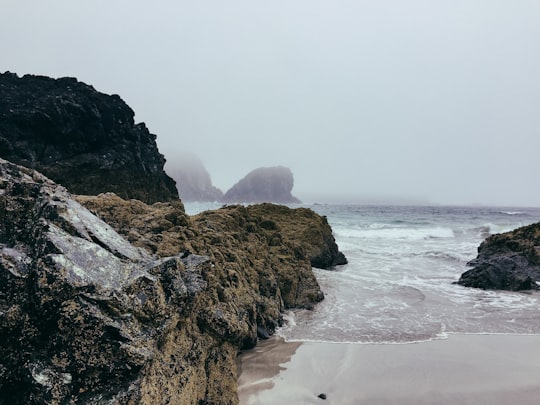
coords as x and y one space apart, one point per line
398 286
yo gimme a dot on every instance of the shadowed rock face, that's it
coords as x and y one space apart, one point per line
89 316
266 184
508 261
80 138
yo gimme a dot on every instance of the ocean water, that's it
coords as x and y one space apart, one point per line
398 286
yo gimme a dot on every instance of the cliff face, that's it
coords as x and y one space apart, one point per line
87 317
80 138
508 261
265 184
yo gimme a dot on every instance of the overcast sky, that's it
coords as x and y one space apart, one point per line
437 101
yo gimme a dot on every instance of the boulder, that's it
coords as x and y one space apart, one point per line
192 179
265 184
81 309
508 261
141 305
80 138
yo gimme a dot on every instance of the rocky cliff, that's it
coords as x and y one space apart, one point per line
265 184
88 317
508 261
192 179
80 138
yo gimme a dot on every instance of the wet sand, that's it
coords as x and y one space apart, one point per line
463 369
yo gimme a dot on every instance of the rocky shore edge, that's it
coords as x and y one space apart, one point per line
507 261
106 300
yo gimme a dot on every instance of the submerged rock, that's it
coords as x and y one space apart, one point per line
117 309
508 261
81 138
265 184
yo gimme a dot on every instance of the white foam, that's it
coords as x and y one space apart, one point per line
396 233
398 286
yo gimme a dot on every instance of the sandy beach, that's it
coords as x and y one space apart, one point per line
463 369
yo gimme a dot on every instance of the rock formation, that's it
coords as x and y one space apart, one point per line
508 261
87 317
81 138
265 184
192 179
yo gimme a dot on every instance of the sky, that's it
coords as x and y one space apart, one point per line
428 101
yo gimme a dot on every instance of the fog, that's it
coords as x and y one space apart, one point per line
365 101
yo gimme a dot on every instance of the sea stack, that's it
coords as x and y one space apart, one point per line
265 184
192 179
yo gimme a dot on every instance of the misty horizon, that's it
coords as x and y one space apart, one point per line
343 198
433 102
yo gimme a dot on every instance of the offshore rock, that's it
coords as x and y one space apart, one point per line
81 138
87 317
265 184
192 179
508 261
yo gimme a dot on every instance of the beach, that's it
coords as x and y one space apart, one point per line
462 369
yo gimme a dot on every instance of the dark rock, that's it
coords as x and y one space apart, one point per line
266 184
508 261
262 333
80 138
321 396
192 179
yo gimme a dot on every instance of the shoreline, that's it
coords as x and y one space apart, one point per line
463 368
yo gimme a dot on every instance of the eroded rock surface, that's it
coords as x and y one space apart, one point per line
81 138
507 261
117 309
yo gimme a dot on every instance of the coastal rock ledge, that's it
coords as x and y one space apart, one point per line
507 261
150 308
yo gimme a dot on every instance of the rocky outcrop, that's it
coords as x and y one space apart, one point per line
80 138
508 261
87 317
265 184
192 179
302 226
